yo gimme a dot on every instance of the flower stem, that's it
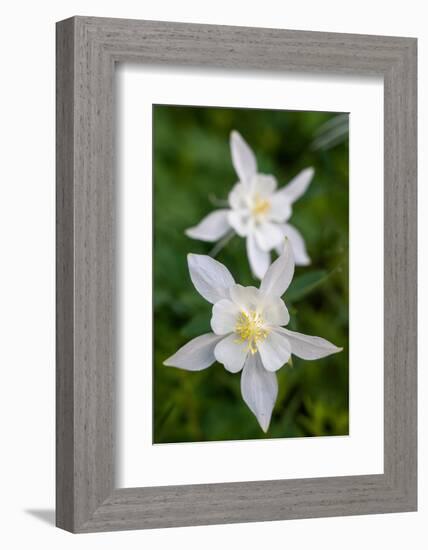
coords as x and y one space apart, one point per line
221 244
215 201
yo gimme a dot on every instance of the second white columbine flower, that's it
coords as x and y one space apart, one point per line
258 211
248 330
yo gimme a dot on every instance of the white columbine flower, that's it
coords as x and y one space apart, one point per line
257 211
248 333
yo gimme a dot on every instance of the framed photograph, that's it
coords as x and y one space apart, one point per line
236 274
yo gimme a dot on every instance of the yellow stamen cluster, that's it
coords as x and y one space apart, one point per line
261 206
250 328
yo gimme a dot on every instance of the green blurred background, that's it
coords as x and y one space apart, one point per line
193 169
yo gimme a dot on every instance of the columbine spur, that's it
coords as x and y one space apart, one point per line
258 211
248 330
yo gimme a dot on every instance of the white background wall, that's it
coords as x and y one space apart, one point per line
27 272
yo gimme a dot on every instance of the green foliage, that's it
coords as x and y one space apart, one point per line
192 167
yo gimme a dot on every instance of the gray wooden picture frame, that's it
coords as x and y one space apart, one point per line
87 50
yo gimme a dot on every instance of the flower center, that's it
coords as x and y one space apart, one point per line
260 207
250 328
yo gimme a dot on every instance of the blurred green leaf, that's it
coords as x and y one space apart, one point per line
302 285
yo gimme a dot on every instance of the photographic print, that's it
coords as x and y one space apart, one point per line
250 280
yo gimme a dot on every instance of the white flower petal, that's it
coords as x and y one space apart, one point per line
246 298
239 196
279 275
308 347
240 221
243 158
268 235
259 389
298 185
198 354
231 353
280 208
263 185
224 317
259 259
211 278
297 243
212 227
274 351
275 312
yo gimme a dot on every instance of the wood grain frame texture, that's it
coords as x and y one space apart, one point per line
87 51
